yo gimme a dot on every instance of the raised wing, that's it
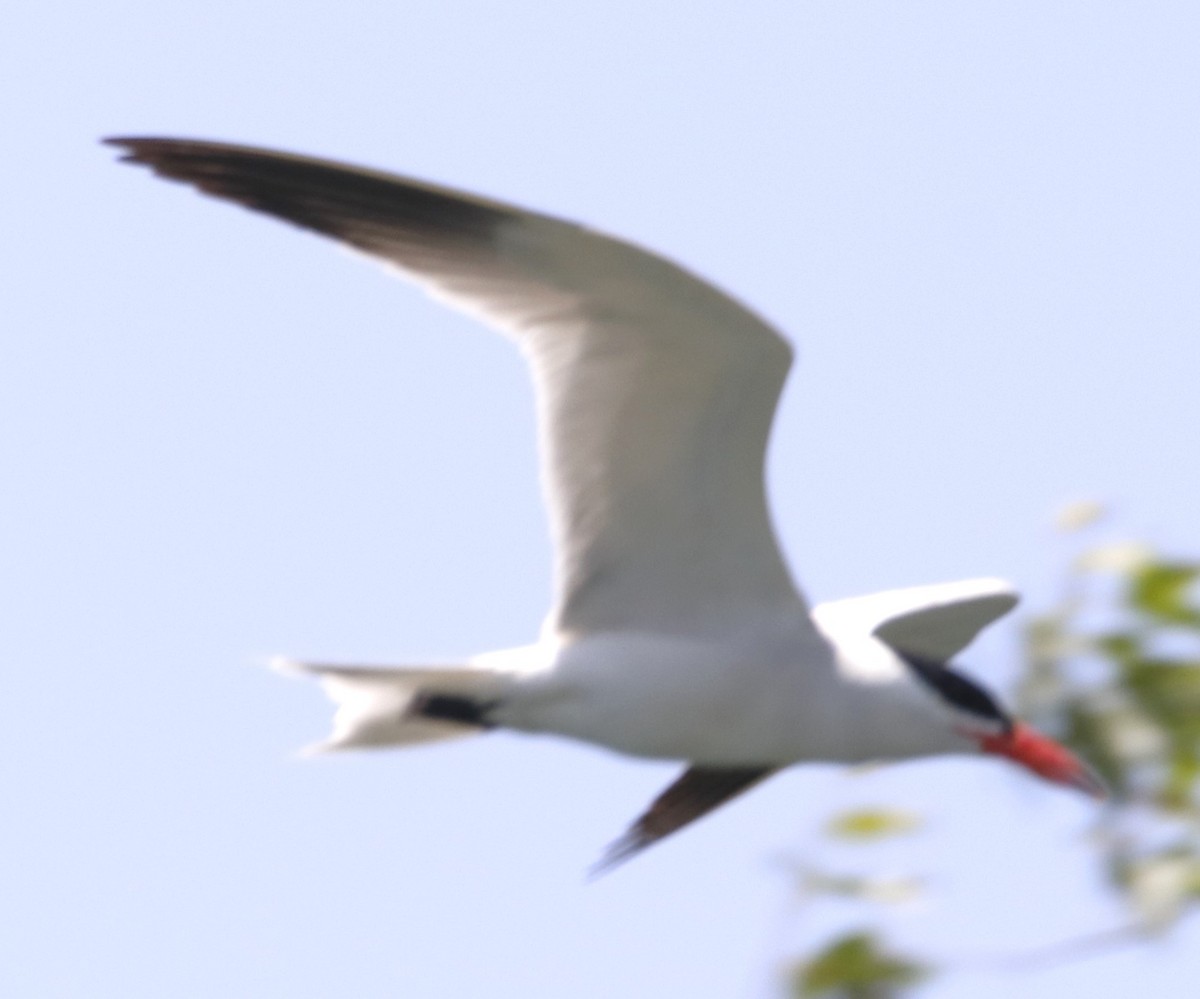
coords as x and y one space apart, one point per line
930 622
655 391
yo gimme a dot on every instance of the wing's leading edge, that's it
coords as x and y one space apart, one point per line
930 622
656 391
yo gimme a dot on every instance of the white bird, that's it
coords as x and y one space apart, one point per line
676 631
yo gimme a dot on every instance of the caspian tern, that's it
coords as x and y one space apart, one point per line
676 630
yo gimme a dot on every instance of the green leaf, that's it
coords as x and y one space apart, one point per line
1162 885
887 891
872 824
1052 637
856 966
1162 590
1168 694
1092 732
1178 792
1122 647
1168 691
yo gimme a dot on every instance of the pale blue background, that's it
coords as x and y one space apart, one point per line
222 439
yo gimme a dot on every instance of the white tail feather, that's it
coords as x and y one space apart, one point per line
375 704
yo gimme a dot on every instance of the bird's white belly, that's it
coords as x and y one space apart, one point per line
672 698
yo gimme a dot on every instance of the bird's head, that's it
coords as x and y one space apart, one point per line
981 720
904 641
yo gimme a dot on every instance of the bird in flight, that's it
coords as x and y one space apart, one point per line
676 630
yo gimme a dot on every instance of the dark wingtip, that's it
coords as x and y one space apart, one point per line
366 208
153 149
149 151
616 854
127 147
134 148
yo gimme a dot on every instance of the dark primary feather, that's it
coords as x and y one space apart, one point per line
695 793
363 208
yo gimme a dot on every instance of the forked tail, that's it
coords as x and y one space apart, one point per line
401 706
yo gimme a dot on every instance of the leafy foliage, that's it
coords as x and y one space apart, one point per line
855 967
1113 671
872 823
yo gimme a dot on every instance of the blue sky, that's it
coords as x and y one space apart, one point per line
980 225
